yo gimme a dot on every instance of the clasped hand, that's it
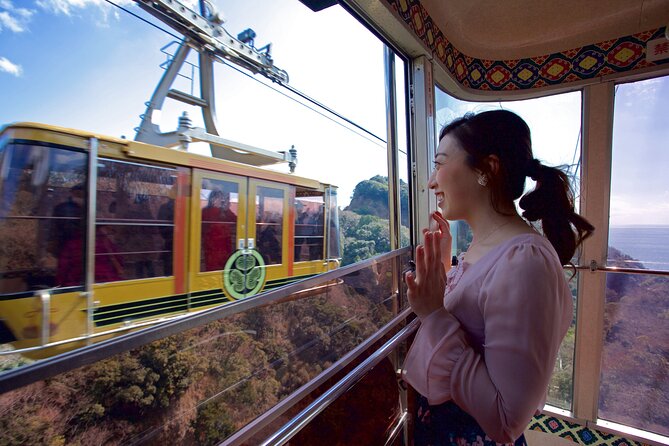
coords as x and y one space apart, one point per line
426 285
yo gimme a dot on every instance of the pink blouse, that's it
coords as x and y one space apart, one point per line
492 348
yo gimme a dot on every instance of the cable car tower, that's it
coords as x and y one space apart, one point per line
204 33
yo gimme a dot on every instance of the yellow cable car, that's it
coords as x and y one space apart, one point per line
101 235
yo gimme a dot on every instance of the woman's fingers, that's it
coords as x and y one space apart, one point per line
429 250
436 248
442 223
420 263
410 279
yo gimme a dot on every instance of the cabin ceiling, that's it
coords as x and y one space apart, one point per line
514 29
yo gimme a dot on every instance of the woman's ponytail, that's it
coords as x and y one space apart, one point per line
552 203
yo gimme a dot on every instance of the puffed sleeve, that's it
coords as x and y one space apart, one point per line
439 343
527 309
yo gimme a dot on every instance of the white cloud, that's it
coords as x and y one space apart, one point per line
68 7
9 22
12 18
10 67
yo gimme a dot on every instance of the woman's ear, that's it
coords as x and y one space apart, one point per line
492 163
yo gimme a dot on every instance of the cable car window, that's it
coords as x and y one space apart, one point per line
555 125
42 217
269 224
134 221
402 157
218 200
309 224
634 383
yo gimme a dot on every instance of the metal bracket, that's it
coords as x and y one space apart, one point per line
45 299
204 33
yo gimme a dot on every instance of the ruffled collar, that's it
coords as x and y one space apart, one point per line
453 276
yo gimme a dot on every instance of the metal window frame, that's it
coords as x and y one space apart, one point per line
597 125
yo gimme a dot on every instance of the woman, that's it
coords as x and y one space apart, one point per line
491 326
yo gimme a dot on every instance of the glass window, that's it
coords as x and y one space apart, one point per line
555 125
214 379
343 148
134 224
402 159
42 218
639 217
560 389
636 333
219 201
269 223
309 224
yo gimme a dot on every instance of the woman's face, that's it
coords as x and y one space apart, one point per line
453 182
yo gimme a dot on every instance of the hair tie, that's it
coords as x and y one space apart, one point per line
533 168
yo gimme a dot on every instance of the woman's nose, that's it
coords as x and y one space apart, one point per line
431 182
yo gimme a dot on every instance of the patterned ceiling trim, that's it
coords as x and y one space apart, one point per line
612 56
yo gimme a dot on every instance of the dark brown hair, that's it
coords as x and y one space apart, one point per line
505 135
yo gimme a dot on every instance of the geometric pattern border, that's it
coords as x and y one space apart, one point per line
578 434
586 62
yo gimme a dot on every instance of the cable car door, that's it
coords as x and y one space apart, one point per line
218 233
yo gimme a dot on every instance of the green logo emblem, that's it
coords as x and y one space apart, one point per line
244 274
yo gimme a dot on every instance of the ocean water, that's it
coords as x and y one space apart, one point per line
647 244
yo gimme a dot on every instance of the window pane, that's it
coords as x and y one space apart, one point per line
309 224
555 125
42 218
634 386
133 222
639 217
269 223
403 160
219 200
560 389
200 385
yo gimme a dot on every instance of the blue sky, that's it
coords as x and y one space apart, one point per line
87 65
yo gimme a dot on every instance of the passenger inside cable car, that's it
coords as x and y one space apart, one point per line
492 327
287 321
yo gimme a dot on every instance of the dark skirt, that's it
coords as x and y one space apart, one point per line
448 425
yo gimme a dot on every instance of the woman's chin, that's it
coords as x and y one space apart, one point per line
446 212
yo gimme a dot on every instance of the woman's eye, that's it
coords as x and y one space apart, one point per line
437 164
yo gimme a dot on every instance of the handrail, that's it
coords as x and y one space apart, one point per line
50 367
394 432
290 429
621 270
255 426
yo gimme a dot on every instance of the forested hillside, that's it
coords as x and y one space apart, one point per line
364 223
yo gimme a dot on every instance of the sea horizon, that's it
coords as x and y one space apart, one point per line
648 244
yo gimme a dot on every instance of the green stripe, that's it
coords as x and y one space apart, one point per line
142 303
286 280
120 319
204 303
179 303
140 314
